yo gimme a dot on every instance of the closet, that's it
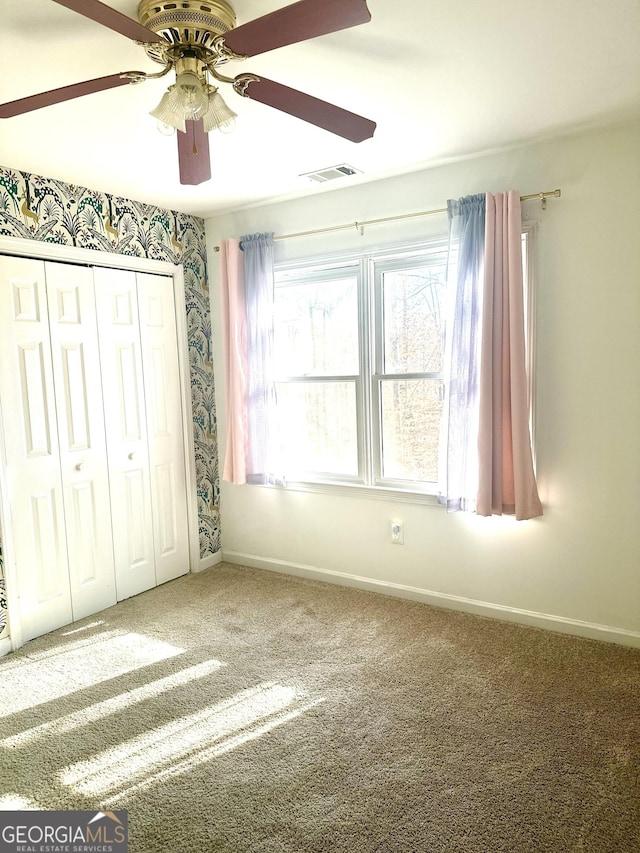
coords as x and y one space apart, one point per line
94 446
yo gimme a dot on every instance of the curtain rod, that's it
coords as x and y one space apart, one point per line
360 226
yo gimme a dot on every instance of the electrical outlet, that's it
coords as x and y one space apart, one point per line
396 530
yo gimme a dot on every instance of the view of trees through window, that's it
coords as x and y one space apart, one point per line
412 342
317 341
358 351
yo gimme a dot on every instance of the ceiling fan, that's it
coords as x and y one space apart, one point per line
194 38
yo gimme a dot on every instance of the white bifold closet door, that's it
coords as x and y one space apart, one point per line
137 334
95 473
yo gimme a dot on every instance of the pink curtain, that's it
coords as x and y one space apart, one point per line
506 477
234 341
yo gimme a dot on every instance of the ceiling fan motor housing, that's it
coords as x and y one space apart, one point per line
185 23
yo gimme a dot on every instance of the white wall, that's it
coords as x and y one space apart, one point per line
580 563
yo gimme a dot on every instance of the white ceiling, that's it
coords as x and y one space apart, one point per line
442 78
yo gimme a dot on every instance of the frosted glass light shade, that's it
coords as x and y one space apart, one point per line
187 97
218 116
166 113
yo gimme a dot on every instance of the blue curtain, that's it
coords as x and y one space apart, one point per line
459 453
261 431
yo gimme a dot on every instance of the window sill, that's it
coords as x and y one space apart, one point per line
357 491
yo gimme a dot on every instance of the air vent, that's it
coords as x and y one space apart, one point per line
331 173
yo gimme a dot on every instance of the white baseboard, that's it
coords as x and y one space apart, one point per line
209 561
547 621
5 646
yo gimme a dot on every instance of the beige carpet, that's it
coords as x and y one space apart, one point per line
248 712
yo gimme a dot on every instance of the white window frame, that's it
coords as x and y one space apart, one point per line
327 272
369 482
435 251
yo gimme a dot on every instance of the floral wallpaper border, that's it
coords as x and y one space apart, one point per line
50 211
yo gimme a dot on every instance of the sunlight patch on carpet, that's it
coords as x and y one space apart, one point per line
12 663
203 755
82 628
38 679
110 706
16 803
184 743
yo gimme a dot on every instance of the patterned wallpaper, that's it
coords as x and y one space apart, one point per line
36 208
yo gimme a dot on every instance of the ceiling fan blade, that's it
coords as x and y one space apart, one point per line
193 154
298 22
334 119
111 18
65 93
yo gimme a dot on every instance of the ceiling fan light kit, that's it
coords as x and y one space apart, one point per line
193 39
192 98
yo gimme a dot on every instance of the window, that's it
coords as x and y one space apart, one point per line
318 357
406 384
359 358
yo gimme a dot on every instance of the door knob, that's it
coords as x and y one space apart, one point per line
132 455
79 466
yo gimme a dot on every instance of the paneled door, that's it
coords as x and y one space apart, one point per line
54 441
145 440
31 445
81 437
158 338
126 428
92 423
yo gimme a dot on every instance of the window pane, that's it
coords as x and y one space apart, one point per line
318 427
317 328
410 429
413 306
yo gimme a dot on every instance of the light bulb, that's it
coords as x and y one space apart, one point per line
188 98
165 129
228 126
